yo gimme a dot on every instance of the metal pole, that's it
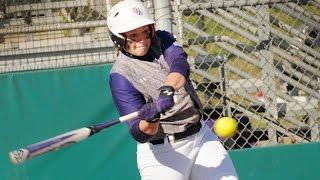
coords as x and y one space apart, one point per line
224 89
149 4
268 70
178 21
108 6
163 15
314 116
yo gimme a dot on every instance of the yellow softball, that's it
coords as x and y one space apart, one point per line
225 127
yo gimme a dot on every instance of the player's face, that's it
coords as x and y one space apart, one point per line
138 41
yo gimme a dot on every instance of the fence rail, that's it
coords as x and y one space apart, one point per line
271 88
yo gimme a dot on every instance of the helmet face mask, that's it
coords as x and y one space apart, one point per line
125 16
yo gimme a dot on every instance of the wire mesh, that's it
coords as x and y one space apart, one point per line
268 78
254 60
51 34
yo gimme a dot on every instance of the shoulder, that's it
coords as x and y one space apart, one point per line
165 35
122 88
126 97
166 39
120 65
121 85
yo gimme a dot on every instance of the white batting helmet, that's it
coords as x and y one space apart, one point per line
125 16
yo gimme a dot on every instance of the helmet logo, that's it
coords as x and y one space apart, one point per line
137 11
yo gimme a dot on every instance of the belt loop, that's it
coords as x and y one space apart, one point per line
171 138
166 140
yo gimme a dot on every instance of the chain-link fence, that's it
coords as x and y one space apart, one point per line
255 60
41 34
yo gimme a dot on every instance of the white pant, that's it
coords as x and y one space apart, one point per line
197 157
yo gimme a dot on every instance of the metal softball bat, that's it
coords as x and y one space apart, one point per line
63 140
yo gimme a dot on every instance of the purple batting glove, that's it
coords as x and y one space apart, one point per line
149 113
165 99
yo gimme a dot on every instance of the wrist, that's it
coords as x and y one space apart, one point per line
166 90
154 119
148 128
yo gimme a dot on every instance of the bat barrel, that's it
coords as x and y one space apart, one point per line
57 142
20 155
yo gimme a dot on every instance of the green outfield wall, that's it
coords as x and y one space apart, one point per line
38 105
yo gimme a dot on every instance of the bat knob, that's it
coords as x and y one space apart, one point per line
18 156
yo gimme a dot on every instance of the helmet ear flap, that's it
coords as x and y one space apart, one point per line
118 42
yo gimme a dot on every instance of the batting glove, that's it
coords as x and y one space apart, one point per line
165 99
151 111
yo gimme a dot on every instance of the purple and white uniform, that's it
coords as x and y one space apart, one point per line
184 147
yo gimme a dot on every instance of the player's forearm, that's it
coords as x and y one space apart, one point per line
176 80
141 130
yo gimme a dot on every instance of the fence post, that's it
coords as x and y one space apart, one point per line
149 4
314 116
224 88
178 21
163 15
108 5
270 99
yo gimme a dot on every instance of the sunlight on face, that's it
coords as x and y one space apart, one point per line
138 41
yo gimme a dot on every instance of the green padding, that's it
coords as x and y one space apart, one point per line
38 105
294 162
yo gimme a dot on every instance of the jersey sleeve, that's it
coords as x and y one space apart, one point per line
126 97
127 100
174 54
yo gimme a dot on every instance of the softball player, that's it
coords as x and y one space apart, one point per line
151 74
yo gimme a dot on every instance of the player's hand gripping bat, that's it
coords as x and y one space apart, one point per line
23 154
